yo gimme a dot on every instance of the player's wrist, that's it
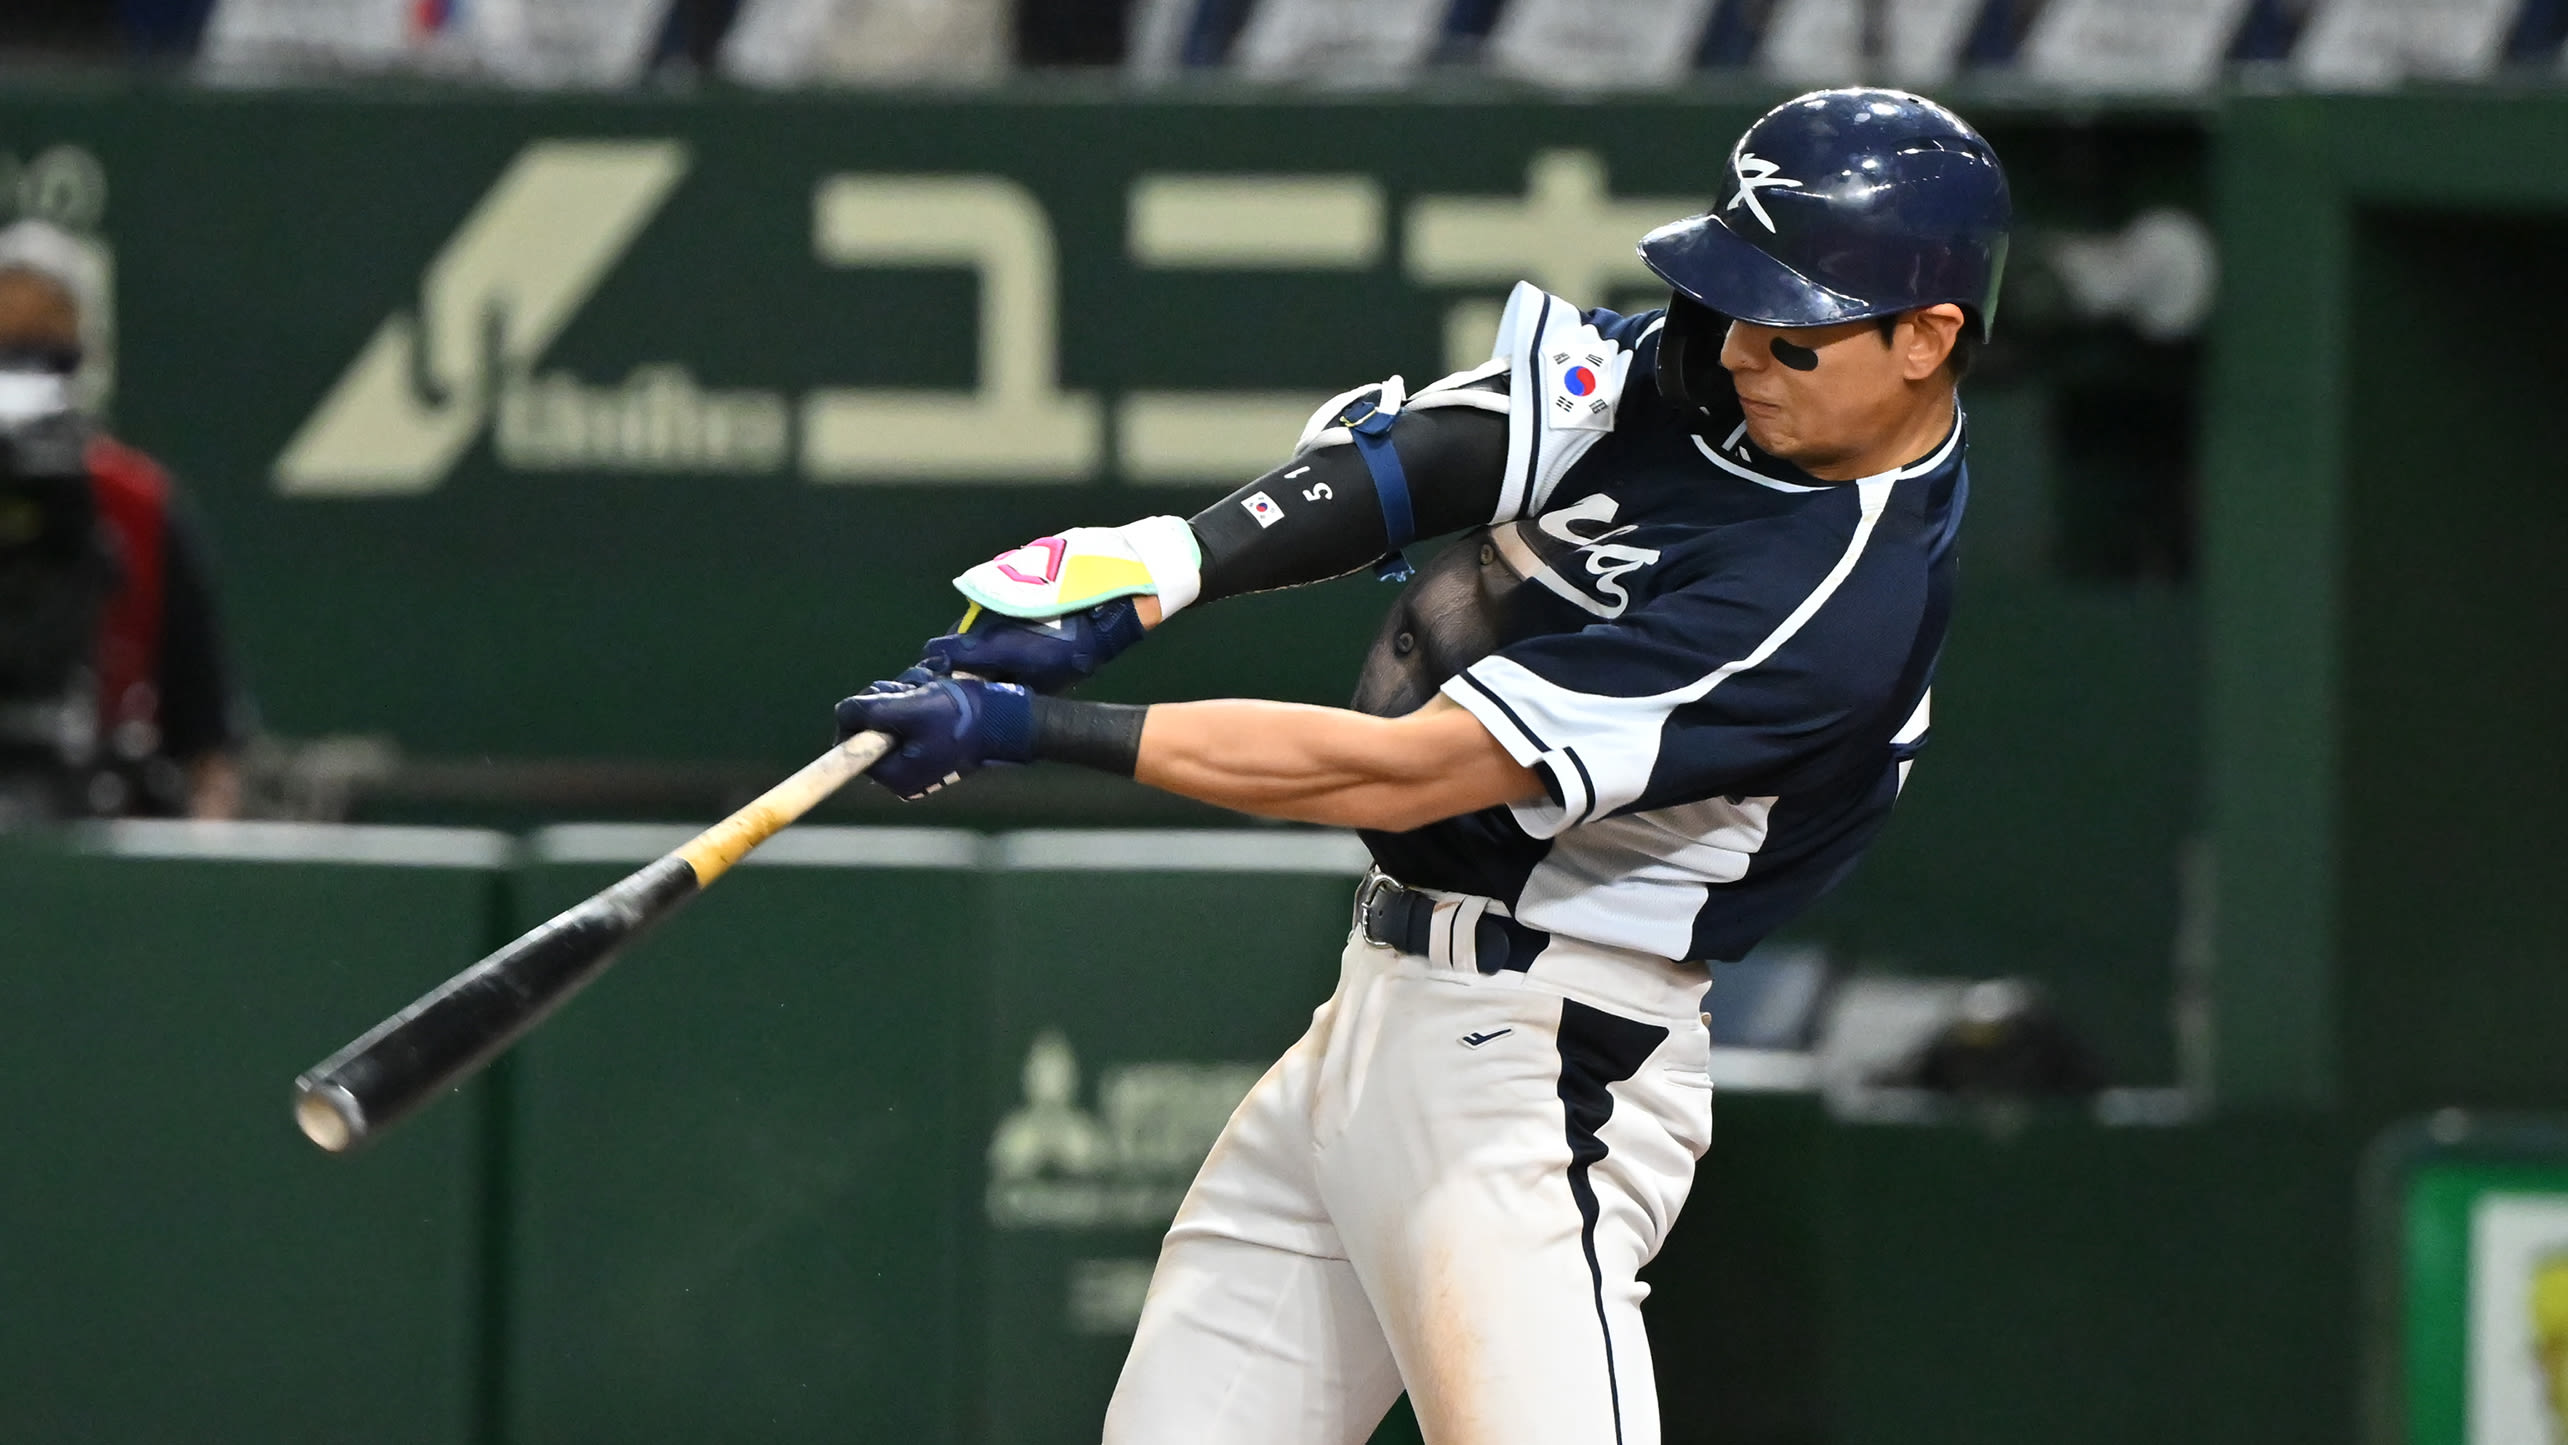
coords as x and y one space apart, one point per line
1105 736
1120 624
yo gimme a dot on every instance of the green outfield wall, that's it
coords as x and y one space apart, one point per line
1084 1169
735 1171
176 1262
876 1141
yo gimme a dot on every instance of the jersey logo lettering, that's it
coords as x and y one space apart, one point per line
1608 561
1758 174
1475 1040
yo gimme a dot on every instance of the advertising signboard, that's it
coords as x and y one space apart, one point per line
2470 1233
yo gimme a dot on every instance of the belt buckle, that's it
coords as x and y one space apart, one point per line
1368 895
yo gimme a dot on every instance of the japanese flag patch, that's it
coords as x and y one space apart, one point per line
1263 508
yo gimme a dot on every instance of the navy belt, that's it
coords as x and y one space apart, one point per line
1396 916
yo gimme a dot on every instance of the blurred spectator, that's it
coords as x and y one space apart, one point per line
2132 45
2373 44
57 27
1326 42
1339 42
514 42
43 31
115 697
1830 42
1579 45
1070 32
867 42
1169 37
2145 45
695 30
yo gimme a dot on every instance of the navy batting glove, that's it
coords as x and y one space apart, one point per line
1049 656
944 730
917 674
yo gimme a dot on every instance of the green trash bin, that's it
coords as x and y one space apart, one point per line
735 1160
176 1262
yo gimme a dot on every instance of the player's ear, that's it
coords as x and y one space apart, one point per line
1928 335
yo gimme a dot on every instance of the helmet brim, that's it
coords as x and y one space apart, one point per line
1707 261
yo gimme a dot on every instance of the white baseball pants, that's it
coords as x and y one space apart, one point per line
1448 1184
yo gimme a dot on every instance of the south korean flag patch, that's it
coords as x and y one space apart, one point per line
1564 381
1582 379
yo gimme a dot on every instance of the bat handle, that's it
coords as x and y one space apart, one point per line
712 852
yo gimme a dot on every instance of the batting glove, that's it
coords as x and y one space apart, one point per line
1048 656
944 730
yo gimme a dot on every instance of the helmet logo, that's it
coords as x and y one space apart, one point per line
1758 174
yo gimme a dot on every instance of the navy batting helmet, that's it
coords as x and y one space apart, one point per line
1843 205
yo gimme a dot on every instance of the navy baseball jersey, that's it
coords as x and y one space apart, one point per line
1718 664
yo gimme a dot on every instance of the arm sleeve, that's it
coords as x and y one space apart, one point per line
1479 447
1320 515
200 710
1734 685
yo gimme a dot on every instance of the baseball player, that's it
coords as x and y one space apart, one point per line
1659 695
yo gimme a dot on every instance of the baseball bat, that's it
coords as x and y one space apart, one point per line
470 1019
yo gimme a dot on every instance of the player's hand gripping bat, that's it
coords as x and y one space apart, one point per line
463 1023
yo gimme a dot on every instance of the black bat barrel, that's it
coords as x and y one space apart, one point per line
474 1016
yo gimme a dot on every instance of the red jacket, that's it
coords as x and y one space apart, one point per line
133 500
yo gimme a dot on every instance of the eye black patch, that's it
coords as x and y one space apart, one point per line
1799 358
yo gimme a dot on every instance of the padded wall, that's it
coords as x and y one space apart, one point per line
176 1262
735 1163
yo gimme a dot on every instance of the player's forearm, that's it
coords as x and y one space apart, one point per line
1325 765
1269 758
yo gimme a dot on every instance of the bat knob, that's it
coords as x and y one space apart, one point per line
328 1115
